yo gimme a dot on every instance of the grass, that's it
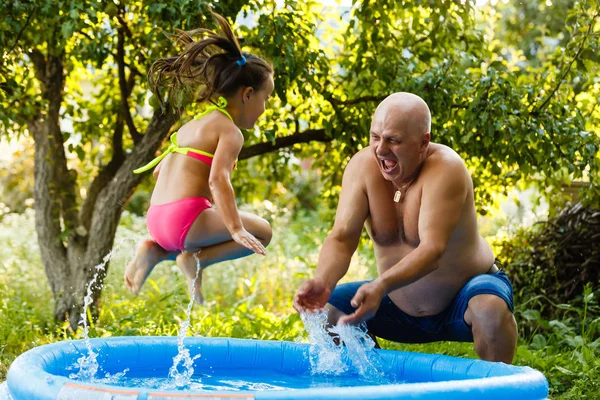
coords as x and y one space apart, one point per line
252 298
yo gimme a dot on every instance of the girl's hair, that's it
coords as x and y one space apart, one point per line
214 64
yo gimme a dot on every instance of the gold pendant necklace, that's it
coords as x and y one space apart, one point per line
398 194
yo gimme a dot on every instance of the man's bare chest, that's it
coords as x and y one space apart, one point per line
392 223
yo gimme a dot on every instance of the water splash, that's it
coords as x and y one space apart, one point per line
355 353
177 378
326 357
114 378
360 350
87 364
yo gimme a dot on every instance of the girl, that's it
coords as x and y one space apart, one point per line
194 171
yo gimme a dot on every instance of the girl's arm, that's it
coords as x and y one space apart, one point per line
228 148
157 170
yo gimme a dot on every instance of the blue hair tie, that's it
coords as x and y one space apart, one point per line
242 61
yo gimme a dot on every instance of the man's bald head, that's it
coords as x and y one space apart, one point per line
405 111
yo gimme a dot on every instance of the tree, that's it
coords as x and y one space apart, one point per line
511 119
514 118
76 219
556 43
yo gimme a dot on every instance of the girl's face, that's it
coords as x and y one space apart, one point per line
255 102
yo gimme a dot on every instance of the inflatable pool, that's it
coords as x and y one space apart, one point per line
269 370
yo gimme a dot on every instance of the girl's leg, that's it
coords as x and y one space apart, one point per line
209 234
209 229
148 254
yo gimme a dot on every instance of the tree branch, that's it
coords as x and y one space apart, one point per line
86 35
358 100
105 216
123 87
431 33
560 81
21 32
130 36
318 135
444 74
108 172
101 180
124 26
591 113
39 65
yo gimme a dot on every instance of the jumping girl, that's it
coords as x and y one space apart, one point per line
194 171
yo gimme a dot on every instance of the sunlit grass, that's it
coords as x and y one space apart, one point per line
250 298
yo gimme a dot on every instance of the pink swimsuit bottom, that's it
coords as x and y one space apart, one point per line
169 223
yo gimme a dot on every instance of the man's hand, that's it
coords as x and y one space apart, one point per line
366 301
312 295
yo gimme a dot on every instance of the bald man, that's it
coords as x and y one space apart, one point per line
437 277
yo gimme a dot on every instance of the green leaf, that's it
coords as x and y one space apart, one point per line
67 29
532 315
538 342
80 153
564 370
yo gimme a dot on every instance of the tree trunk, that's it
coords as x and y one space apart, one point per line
73 243
75 235
54 187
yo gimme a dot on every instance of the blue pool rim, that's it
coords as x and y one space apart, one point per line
38 373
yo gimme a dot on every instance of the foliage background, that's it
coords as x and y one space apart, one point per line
252 298
513 87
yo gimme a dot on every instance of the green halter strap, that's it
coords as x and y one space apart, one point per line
221 104
174 148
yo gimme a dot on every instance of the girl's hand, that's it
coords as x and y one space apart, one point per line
248 240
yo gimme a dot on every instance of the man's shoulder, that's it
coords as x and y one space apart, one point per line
360 167
442 155
361 164
362 159
444 163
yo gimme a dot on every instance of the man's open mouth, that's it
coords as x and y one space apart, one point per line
388 165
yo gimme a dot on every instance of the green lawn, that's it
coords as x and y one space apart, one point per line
252 298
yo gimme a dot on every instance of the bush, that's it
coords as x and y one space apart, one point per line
556 259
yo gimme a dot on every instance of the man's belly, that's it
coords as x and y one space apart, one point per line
429 295
433 293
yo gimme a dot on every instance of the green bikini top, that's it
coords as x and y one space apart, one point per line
188 151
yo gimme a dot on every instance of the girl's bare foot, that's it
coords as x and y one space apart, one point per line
148 254
190 266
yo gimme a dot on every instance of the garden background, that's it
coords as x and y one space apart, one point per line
513 88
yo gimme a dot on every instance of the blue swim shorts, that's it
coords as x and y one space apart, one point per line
391 323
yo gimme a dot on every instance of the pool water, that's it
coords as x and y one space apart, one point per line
243 380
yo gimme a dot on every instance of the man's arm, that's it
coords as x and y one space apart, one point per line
340 244
442 201
352 211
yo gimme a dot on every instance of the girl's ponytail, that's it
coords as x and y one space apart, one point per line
212 65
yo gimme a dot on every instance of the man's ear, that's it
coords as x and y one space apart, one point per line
425 140
246 94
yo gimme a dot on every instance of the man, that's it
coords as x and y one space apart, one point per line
438 279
